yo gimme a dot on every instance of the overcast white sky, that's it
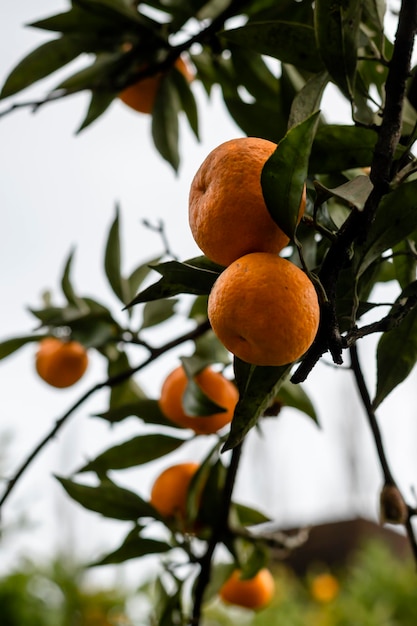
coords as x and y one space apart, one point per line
59 190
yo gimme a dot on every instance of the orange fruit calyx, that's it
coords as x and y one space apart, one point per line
60 363
214 385
251 593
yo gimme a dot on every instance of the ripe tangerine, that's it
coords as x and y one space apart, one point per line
170 489
264 309
60 363
141 95
251 593
213 384
228 216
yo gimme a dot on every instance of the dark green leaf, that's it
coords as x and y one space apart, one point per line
108 499
11 345
354 193
43 61
308 99
114 9
136 451
128 391
187 100
404 261
138 275
66 284
112 261
337 31
133 547
158 311
146 409
99 103
390 225
295 396
285 172
99 76
196 403
338 147
258 386
248 516
290 42
397 349
178 278
165 129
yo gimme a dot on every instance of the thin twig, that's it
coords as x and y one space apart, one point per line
110 382
389 480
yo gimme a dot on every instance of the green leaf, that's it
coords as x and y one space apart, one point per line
257 386
288 41
165 129
66 284
404 261
45 60
195 402
119 11
308 99
99 76
11 345
337 32
397 348
285 172
248 516
158 311
139 274
187 277
146 409
126 392
134 547
99 103
108 499
295 397
112 261
354 193
340 147
137 451
186 98
390 226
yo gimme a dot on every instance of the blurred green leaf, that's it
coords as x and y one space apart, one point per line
186 98
112 261
249 516
195 402
288 41
295 397
137 451
99 103
139 274
66 284
11 345
45 60
158 311
99 76
108 499
354 193
133 547
146 409
397 349
308 99
165 129
404 261
126 392
285 172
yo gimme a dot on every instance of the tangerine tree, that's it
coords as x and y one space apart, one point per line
342 199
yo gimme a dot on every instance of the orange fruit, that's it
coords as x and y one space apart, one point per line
228 216
60 363
214 385
264 309
169 491
324 588
141 95
251 593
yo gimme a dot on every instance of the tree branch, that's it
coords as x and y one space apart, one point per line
357 225
216 535
110 382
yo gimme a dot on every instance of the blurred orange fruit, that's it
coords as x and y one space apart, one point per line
60 363
228 216
141 95
251 593
214 385
324 588
264 309
170 490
